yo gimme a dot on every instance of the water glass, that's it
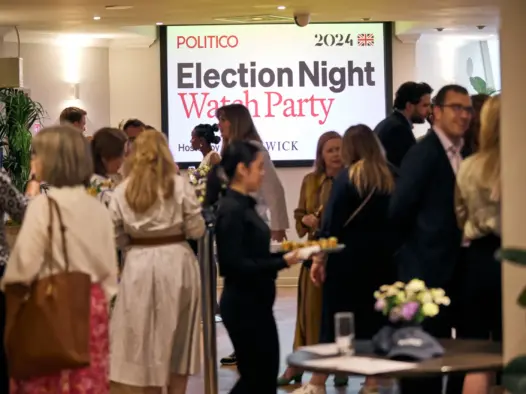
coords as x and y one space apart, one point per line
344 332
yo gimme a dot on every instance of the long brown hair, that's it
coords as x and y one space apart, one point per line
368 169
107 143
242 126
319 163
471 137
151 169
489 140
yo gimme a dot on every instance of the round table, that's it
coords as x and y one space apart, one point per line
461 356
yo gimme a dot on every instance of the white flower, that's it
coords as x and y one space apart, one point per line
416 285
430 309
401 297
443 301
399 284
426 297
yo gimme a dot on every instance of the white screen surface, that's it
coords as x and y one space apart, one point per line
296 82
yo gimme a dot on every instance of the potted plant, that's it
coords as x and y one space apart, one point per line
18 113
514 374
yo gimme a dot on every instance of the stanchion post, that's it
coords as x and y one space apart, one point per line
208 300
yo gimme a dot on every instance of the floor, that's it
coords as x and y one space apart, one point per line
285 312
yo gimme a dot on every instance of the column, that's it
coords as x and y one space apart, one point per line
513 171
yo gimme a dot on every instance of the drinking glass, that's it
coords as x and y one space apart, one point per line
344 332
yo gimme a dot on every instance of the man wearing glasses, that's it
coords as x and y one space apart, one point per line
422 209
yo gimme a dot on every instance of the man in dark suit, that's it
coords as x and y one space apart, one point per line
411 105
422 210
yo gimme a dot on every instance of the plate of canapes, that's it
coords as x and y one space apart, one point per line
325 245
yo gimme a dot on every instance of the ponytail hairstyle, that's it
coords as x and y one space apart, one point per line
207 133
107 143
151 170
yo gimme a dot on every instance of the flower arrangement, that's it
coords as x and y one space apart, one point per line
101 188
409 303
97 186
198 177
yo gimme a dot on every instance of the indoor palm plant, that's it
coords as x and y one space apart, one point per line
18 113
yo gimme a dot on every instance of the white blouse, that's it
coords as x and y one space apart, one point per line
89 235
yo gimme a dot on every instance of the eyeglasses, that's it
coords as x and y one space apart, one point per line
458 108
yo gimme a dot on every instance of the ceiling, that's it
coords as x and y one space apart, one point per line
77 15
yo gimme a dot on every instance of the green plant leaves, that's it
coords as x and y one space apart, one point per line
18 113
481 87
514 375
514 255
478 84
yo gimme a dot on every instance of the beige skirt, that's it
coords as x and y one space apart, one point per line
156 323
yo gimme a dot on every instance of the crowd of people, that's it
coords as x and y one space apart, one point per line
405 209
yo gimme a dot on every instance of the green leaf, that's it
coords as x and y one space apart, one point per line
18 113
514 375
515 255
522 298
478 84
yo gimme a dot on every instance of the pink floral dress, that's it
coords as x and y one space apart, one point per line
91 380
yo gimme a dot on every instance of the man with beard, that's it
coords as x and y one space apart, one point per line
412 104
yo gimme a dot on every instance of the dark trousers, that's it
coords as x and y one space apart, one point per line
250 323
4 375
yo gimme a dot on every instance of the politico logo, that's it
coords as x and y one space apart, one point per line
207 42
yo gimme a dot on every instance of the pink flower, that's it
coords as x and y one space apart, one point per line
379 305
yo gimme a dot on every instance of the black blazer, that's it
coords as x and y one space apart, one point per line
422 211
396 135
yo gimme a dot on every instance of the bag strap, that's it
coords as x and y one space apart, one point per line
360 208
53 206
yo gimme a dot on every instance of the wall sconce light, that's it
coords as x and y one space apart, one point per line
74 91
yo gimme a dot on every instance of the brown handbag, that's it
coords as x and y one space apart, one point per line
48 321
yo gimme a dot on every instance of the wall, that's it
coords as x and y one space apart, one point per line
49 71
135 85
441 60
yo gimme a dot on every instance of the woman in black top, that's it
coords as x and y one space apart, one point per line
249 272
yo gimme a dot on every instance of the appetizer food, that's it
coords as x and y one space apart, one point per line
324 243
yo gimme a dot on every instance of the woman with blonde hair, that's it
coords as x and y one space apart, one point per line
62 157
356 214
478 203
155 327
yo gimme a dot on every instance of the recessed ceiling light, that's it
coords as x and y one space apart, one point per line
257 19
281 7
159 23
118 7
96 18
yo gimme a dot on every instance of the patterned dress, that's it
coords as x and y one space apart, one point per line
12 203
